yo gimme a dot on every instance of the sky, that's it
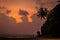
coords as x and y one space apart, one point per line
28 5
28 23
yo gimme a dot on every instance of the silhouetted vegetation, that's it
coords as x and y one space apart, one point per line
51 28
42 12
52 25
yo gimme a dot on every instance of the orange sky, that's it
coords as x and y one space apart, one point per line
14 24
15 5
15 12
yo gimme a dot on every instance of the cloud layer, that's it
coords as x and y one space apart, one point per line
8 25
46 3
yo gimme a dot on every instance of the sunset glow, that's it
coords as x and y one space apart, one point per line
15 14
26 5
14 7
26 22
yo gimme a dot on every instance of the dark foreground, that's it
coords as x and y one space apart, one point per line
30 38
16 38
25 37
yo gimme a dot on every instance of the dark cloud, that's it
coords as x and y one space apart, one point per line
4 10
8 11
23 12
8 25
30 28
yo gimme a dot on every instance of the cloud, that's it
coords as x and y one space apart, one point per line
49 4
7 24
30 28
4 10
23 12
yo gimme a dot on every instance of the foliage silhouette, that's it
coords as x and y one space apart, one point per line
52 25
42 12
